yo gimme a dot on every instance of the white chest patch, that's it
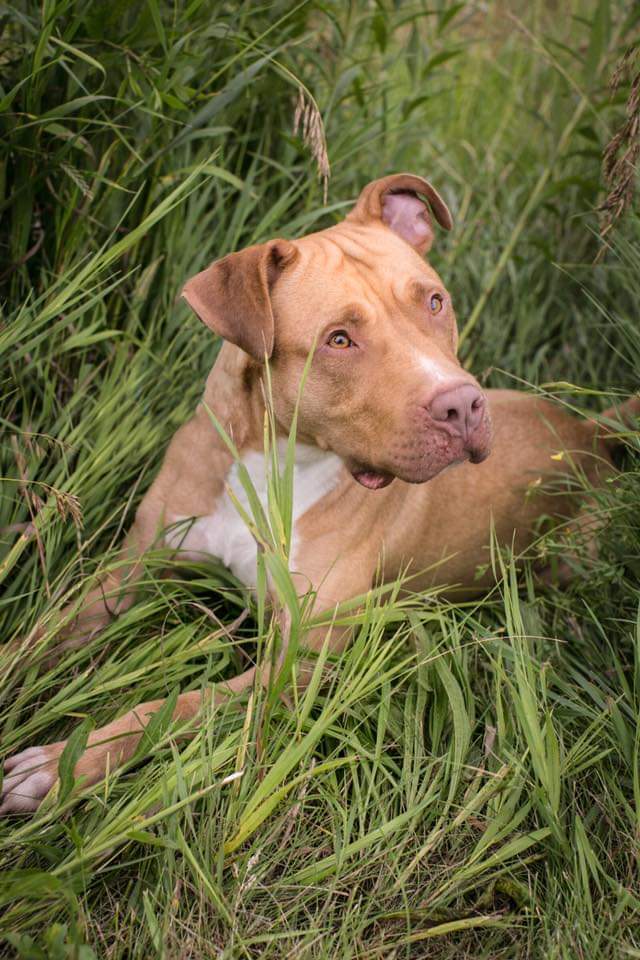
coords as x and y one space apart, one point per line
223 533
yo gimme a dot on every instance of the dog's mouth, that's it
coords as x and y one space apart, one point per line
371 479
424 460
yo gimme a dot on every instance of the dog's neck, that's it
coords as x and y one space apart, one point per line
233 393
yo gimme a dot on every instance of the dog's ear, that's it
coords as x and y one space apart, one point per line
394 200
233 296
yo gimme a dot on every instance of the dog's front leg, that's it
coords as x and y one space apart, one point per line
115 591
31 774
347 577
112 595
184 487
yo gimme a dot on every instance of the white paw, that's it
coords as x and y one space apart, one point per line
28 777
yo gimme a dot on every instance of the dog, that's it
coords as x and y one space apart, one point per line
386 408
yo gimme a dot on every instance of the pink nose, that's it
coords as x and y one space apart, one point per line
461 408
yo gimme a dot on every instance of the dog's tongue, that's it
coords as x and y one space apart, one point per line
373 480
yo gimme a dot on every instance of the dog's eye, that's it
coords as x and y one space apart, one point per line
436 303
340 340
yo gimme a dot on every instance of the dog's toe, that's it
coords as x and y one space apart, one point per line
29 776
19 759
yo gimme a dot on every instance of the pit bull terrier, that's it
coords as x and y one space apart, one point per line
386 407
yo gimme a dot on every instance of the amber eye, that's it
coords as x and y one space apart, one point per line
436 303
340 340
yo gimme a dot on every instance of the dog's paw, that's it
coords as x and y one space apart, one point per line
28 777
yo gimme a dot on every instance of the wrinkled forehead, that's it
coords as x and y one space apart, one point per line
347 265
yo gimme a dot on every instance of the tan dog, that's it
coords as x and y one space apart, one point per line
385 400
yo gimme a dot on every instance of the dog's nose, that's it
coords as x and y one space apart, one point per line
461 408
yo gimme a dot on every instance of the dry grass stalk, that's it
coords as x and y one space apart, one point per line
620 158
308 120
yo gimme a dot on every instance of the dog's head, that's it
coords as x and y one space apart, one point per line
385 390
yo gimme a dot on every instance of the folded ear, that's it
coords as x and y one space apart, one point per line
233 296
394 201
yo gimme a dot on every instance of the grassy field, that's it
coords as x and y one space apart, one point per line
469 784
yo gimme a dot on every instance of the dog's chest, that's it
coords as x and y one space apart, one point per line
224 534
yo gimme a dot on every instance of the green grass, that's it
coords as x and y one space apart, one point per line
467 785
